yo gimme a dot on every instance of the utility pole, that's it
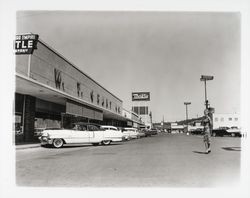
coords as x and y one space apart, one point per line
186 104
163 123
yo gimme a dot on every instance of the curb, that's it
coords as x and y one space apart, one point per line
19 147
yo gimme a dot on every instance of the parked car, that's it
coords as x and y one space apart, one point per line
197 131
219 131
235 131
154 131
149 132
126 134
38 132
115 129
131 132
226 131
141 134
81 133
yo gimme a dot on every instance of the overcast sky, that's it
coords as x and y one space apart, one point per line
164 53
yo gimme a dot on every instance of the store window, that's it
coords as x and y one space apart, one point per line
18 125
18 128
230 119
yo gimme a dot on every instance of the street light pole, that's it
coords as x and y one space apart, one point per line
186 104
205 78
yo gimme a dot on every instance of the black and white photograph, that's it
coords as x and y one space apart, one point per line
139 99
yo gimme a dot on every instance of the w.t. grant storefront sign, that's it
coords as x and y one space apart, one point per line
26 43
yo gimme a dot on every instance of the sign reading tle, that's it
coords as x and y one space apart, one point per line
25 43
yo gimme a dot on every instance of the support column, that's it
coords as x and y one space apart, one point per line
29 118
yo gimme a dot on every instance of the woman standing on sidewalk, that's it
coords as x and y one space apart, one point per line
207 135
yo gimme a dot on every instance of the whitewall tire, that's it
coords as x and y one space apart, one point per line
57 143
106 142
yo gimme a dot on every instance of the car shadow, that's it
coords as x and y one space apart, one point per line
67 146
232 148
199 152
81 145
112 144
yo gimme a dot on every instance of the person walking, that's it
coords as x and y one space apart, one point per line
207 135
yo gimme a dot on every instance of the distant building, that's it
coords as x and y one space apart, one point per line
144 114
175 128
165 126
226 120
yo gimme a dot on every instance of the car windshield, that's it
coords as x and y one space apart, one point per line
95 128
79 127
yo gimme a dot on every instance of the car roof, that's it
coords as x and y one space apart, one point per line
108 126
129 128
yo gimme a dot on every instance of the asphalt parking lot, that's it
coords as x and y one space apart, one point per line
165 160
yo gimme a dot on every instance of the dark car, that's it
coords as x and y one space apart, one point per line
147 132
150 132
226 131
198 131
220 131
154 131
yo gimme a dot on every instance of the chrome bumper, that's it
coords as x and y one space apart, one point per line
45 140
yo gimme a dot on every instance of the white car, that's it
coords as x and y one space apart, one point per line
114 132
81 133
234 131
132 132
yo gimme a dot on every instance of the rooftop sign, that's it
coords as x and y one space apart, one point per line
203 78
26 43
140 96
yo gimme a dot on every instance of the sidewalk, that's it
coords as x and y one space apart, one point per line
27 145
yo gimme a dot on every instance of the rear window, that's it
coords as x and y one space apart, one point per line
113 129
108 128
94 128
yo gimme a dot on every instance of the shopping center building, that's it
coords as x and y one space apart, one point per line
51 92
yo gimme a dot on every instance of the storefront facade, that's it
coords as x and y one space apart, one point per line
51 92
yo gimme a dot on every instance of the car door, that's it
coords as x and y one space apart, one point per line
109 133
80 134
96 133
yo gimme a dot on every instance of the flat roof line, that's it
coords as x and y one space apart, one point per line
53 50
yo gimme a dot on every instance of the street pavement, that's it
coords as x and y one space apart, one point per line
164 160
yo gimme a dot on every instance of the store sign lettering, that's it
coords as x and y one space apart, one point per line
25 44
92 96
58 79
